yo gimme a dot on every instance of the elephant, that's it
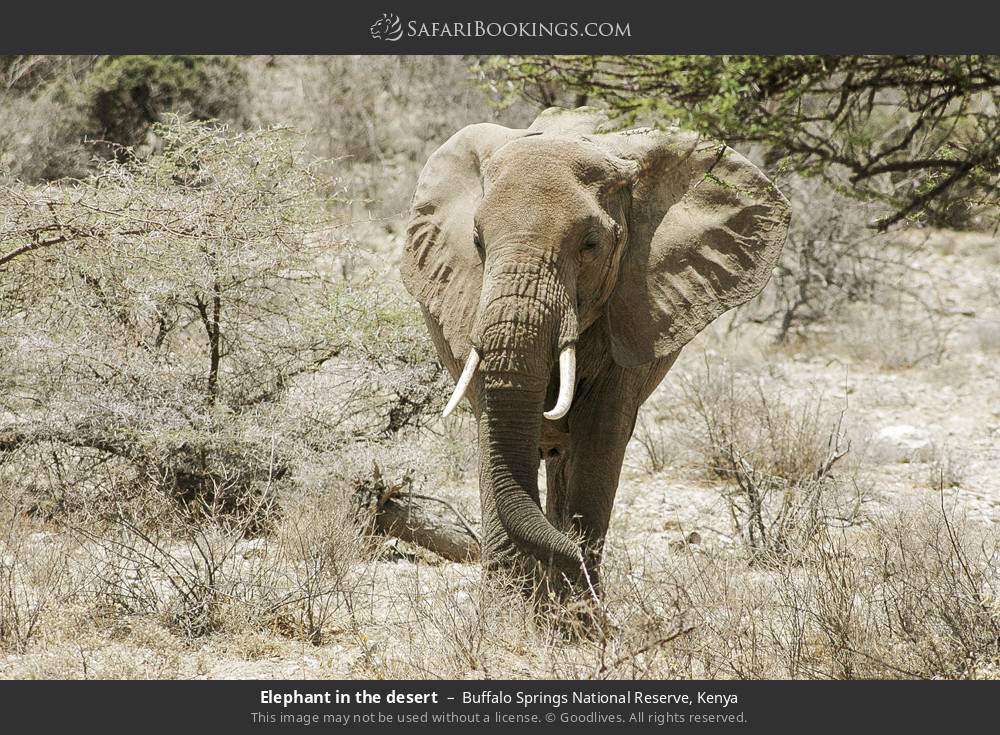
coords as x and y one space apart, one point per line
566 264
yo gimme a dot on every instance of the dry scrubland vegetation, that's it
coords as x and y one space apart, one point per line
205 352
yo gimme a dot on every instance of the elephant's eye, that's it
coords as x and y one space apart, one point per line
589 245
477 240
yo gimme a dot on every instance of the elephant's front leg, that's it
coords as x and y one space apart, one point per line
593 469
583 472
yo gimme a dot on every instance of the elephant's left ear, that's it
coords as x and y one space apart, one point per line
705 231
441 267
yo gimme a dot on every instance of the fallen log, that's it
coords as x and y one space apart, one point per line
393 509
411 518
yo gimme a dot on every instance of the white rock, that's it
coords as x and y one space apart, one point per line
904 436
904 443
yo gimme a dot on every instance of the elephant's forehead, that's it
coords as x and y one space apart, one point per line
552 159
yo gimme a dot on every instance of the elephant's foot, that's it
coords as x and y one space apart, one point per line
539 582
575 613
572 604
505 566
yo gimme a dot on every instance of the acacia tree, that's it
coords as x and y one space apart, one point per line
171 322
920 134
146 308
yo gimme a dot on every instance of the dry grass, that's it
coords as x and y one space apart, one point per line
906 336
909 593
910 596
36 579
654 441
205 576
945 469
779 459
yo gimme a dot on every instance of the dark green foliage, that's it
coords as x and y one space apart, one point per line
125 95
53 109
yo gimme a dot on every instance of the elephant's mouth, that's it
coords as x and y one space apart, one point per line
567 383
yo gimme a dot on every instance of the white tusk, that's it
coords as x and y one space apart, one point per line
463 382
567 382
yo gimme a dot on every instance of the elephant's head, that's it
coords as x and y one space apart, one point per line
521 240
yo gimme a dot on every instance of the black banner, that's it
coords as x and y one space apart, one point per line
536 706
394 27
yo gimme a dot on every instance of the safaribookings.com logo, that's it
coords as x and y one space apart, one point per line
390 28
387 28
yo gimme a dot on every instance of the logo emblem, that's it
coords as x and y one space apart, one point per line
387 28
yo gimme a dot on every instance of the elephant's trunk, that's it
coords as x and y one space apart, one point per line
509 433
522 329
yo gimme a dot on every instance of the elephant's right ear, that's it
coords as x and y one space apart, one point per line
441 267
706 228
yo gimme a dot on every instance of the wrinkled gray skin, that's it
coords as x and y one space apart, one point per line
623 244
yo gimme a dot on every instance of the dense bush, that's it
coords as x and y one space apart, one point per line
157 315
379 116
125 95
58 112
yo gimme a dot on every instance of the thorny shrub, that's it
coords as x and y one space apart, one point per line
777 460
166 327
